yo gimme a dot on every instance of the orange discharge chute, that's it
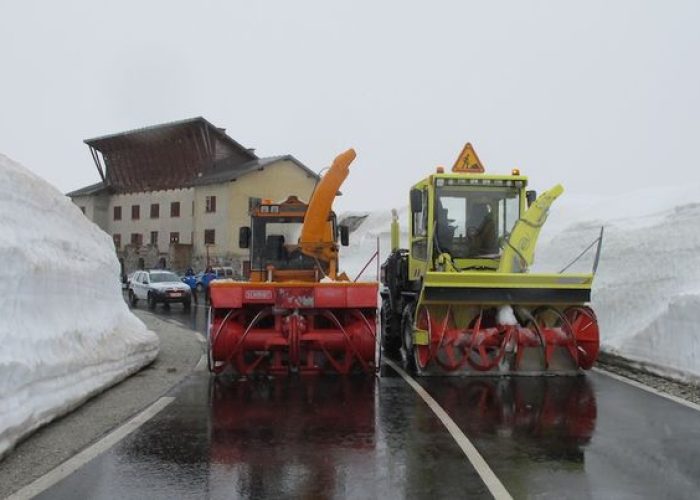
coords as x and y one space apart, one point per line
316 238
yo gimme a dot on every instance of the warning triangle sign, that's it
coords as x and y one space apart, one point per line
468 162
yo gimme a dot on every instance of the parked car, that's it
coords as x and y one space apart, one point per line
202 278
156 286
223 272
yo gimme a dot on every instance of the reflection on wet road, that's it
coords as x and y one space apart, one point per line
282 438
335 437
578 437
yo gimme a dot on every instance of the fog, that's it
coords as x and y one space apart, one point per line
600 96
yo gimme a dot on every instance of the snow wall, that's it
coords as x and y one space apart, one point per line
66 333
646 293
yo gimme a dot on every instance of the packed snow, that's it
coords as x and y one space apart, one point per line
646 292
66 333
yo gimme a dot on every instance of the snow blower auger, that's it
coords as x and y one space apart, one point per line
296 313
461 299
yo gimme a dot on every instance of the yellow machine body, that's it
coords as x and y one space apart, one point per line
462 294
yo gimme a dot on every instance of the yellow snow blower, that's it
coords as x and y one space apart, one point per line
461 298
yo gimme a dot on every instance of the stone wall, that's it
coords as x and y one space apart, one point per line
141 257
178 258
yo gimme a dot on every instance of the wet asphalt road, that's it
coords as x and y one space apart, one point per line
333 437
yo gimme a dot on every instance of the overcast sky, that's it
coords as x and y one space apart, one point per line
598 95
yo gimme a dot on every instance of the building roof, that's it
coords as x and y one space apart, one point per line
163 130
226 171
165 156
223 171
88 190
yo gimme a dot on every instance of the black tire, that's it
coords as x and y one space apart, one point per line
407 354
391 330
151 301
187 305
132 298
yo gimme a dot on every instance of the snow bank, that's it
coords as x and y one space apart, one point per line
363 242
647 290
66 333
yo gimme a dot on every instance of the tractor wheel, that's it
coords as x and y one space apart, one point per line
407 354
132 298
391 330
151 301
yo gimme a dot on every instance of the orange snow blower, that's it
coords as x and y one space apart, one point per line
297 312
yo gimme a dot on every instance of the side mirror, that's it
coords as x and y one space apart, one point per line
531 197
244 237
344 235
416 201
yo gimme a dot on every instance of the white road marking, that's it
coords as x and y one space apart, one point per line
77 461
639 385
202 364
482 468
200 337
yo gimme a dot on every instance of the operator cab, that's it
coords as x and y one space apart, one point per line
470 222
273 239
465 216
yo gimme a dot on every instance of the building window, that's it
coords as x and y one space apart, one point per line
174 237
117 240
155 210
210 204
117 213
154 238
175 209
209 237
82 209
137 239
135 212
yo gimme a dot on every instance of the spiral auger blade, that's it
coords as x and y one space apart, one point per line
454 339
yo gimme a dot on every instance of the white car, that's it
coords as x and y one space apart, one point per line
223 272
156 286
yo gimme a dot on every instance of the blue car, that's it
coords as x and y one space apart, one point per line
199 281
190 280
204 279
